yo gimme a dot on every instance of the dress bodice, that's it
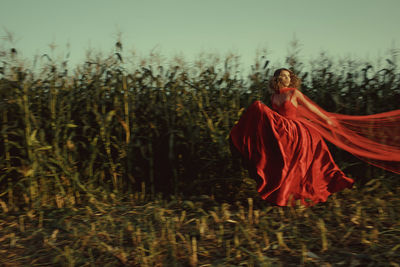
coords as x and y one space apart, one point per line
287 109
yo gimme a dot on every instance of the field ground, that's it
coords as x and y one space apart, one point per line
358 227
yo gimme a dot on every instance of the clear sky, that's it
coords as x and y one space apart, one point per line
356 28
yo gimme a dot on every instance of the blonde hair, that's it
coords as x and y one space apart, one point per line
275 84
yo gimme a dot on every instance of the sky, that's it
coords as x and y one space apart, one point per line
364 29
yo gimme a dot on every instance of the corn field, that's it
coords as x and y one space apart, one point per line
103 132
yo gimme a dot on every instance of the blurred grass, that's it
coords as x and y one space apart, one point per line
116 167
359 227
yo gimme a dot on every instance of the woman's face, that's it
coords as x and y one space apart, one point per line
284 78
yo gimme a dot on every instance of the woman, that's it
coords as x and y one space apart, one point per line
285 150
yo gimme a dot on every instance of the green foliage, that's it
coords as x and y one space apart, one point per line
106 128
85 157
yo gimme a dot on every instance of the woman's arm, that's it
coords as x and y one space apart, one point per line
304 102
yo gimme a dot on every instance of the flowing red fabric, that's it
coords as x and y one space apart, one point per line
285 147
373 138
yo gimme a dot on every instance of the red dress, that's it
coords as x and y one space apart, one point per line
290 159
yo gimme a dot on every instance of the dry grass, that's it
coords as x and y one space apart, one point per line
76 151
359 227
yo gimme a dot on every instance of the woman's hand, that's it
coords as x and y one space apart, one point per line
331 122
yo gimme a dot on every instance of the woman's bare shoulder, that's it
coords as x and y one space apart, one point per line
298 94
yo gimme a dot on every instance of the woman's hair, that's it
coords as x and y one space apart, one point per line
275 84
